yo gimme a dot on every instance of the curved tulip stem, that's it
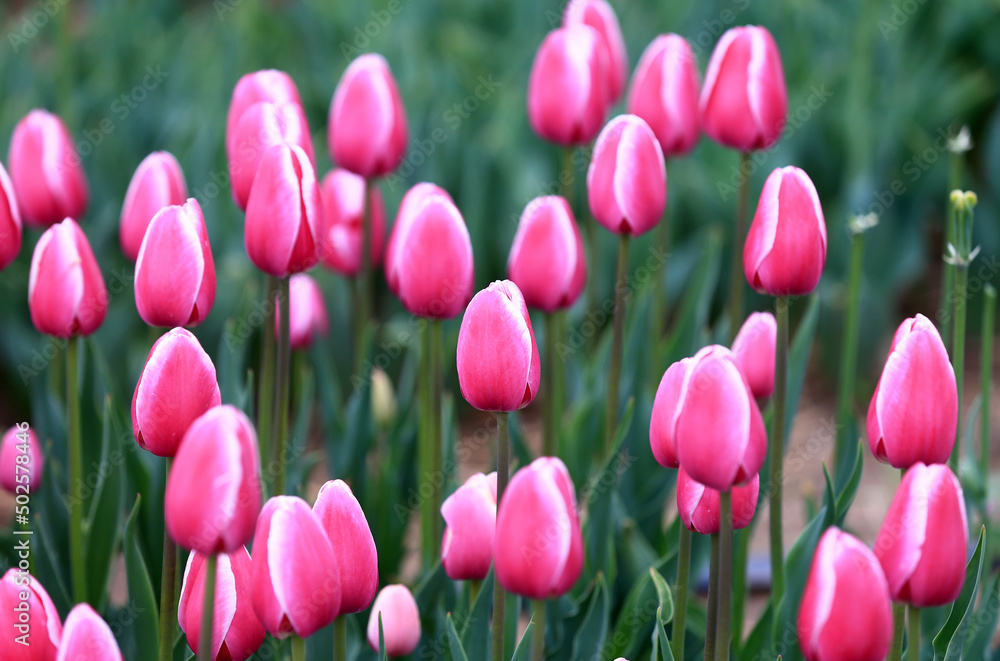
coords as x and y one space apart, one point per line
538 633
76 491
958 354
617 342
265 392
298 649
503 468
168 595
711 625
430 443
725 574
340 639
681 591
207 609
913 646
364 285
550 365
736 276
849 357
279 424
898 624
777 449
985 372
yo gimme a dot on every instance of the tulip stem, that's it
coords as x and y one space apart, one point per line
503 468
898 624
913 646
711 621
298 649
958 354
736 275
436 436
364 285
474 587
777 450
550 442
75 471
340 638
279 423
207 610
538 634
168 597
985 371
725 574
265 396
617 341
849 357
681 591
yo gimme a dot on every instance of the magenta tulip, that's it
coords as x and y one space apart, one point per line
158 182
86 637
698 505
397 609
21 460
307 317
664 93
268 85
470 516
663 420
599 15
754 349
340 515
744 103
343 195
845 613
66 293
10 221
33 636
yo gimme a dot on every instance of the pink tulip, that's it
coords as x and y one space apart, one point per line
236 631
176 387
568 92
158 182
40 625
754 349
699 505
664 93
785 250
539 547
913 415
400 621
284 225
267 85
599 15
213 491
307 312
175 272
46 171
295 578
262 126
744 102
497 359
666 407
21 460
547 261
340 515
922 544
344 206
717 429
86 637
428 260
367 126
627 178
66 292
470 516
10 221
846 588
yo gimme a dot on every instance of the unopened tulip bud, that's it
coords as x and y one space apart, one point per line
400 621
470 516
21 460
599 15
666 406
158 182
11 229
307 316
754 349
344 201
664 92
699 506
341 517
22 593
268 85
86 637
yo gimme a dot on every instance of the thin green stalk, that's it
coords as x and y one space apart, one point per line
538 635
364 283
849 356
776 450
425 453
550 363
985 371
503 469
559 387
168 597
617 342
567 176
437 437
279 423
712 616
475 586
948 284
681 591
898 626
913 646
736 276
340 638
298 649
741 550
725 575
75 472
958 354
656 317
207 610
265 393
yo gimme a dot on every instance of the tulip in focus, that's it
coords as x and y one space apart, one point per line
45 629
21 460
340 515
547 261
343 195
158 182
664 415
177 386
497 358
754 349
922 544
539 547
599 15
175 272
470 516
86 637
913 415
367 126
627 178
698 505
66 292
664 93
785 250
307 316
400 621
744 102
46 172
213 492
236 631
845 613
10 221
267 85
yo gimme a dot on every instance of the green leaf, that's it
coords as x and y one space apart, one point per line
428 590
476 627
846 496
950 640
523 650
383 655
104 521
697 303
142 599
666 598
454 644
977 643
590 638
633 617
798 361
661 634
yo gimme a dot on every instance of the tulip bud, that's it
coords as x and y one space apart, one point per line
666 406
539 547
428 260
307 317
10 221
400 621
21 455
343 195
627 179
267 85
699 505
922 544
744 102
913 415
46 171
158 182
599 15
846 588
547 261
470 516
175 272
177 385
213 492
43 631
367 126
568 92
785 249
236 631
86 637
66 292
754 349
296 583
284 224
340 515
384 407
664 93
497 358
718 431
